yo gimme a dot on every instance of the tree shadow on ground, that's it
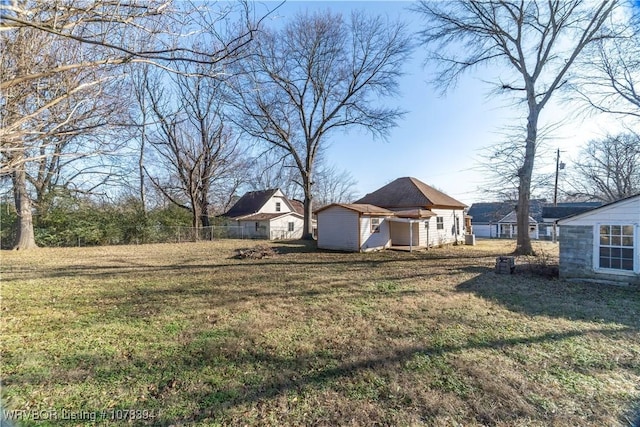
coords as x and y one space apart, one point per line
540 296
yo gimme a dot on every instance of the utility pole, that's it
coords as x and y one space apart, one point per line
559 165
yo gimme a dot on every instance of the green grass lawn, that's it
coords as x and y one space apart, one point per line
192 335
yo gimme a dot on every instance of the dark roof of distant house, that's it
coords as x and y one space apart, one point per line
491 212
250 203
409 192
487 212
567 209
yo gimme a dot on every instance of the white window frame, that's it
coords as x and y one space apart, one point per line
636 249
439 223
375 227
278 207
291 226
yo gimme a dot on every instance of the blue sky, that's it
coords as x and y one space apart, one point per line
441 138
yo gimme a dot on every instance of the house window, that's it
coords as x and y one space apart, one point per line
616 247
257 226
277 206
375 225
291 225
440 223
457 229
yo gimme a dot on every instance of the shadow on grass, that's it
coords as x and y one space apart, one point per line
539 296
318 370
281 374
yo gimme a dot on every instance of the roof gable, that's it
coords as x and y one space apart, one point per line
512 218
605 207
250 202
409 192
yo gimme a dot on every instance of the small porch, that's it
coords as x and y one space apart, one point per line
409 230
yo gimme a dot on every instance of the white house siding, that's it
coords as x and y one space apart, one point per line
338 229
249 229
447 234
270 205
400 234
279 227
626 211
584 230
374 241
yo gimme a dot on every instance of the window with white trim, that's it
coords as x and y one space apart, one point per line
616 249
291 225
278 207
440 223
375 225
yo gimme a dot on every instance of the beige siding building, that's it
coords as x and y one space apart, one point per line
406 212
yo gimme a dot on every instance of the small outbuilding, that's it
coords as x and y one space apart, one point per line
353 227
603 243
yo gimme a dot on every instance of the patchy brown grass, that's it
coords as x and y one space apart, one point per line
192 334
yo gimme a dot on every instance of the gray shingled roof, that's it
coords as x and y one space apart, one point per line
568 209
492 212
488 212
409 192
250 203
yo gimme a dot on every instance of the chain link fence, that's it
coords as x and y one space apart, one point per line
138 235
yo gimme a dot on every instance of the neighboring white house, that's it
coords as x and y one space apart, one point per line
603 243
507 227
267 214
485 217
498 219
405 212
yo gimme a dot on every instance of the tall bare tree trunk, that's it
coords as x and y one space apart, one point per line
523 243
307 232
25 238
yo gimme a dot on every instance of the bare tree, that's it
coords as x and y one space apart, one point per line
536 42
197 151
315 76
607 170
611 83
274 168
158 32
334 186
49 125
500 163
43 42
